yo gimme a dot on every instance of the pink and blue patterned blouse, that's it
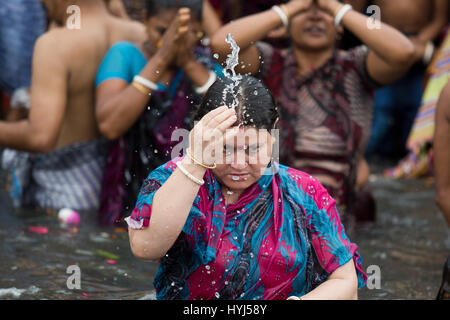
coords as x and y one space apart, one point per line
283 237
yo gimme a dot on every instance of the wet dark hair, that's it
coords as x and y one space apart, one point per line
256 106
154 7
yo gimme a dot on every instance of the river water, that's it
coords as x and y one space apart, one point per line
408 243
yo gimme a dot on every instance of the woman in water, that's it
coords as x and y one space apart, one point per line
241 226
145 91
325 95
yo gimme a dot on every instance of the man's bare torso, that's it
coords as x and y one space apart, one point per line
409 16
83 52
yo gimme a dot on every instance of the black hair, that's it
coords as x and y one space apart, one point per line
154 7
255 105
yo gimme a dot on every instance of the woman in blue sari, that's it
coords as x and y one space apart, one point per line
241 226
145 92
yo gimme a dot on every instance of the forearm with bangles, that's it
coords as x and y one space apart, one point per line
169 213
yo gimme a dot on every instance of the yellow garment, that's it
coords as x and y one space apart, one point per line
419 161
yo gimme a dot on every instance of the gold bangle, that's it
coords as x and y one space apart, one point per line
141 88
188 153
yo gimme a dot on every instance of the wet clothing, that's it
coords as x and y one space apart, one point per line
149 142
283 237
68 177
325 115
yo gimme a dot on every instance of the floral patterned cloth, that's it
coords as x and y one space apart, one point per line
283 237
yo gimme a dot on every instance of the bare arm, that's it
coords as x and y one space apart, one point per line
251 29
119 104
40 132
169 213
341 285
442 153
210 21
391 53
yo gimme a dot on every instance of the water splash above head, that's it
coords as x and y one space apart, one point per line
232 59
230 72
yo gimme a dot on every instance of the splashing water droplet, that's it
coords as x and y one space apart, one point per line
231 63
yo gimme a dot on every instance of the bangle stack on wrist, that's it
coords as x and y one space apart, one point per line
145 86
200 182
146 83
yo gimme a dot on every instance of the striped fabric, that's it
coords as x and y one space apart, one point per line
419 161
21 23
68 177
325 115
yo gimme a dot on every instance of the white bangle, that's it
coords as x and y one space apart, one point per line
341 13
212 78
284 18
200 182
429 52
146 83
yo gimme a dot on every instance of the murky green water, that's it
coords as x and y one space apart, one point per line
408 243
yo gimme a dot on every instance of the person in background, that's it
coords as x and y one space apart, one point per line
56 155
145 92
419 161
442 174
242 226
325 95
396 105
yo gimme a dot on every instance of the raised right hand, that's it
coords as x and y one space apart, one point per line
207 136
